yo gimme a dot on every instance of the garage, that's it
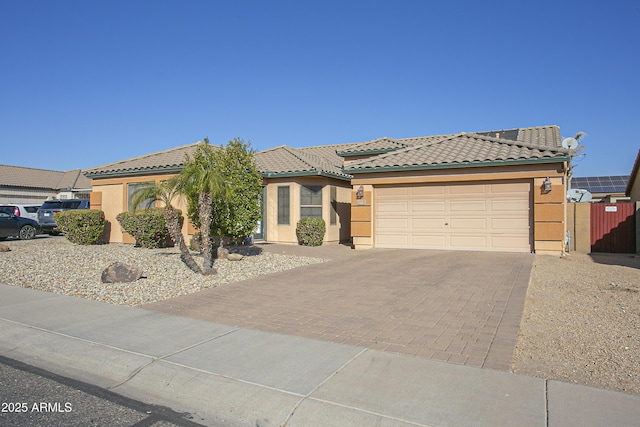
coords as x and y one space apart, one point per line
488 216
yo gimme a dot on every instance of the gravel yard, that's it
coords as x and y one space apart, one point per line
54 264
581 319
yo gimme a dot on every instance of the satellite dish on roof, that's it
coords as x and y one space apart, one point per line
569 143
577 195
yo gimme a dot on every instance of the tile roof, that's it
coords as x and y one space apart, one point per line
464 149
17 176
380 145
321 160
547 136
285 160
328 159
167 160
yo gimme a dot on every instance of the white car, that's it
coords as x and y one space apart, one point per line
26 211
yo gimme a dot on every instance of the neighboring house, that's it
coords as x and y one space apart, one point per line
498 191
633 186
28 185
605 189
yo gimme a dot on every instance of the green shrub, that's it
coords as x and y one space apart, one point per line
147 226
310 231
81 226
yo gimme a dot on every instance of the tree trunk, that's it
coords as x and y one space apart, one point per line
204 210
173 225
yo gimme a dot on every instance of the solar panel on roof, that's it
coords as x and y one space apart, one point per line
511 134
601 184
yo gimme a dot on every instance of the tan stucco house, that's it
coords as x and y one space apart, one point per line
492 191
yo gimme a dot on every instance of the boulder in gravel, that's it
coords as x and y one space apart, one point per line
4 248
120 273
222 252
235 257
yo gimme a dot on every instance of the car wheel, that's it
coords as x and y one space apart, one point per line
27 232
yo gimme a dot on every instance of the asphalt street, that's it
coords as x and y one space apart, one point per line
33 397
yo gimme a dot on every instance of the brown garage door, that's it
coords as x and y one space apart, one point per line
489 217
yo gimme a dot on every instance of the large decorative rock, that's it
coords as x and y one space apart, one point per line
4 248
120 273
235 257
222 252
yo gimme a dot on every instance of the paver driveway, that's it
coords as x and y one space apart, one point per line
459 307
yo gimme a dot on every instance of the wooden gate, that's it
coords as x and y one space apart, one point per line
613 227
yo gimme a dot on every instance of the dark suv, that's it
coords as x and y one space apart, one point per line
51 207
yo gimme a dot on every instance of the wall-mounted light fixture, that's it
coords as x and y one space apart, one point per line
547 185
360 192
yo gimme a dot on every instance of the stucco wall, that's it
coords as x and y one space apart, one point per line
111 203
110 195
286 233
548 208
635 189
579 225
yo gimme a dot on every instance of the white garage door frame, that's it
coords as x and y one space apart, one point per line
479 216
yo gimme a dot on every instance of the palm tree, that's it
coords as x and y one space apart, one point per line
166 191
198 177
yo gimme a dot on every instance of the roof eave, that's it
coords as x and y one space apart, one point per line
132 172
30 187
365 152
458 165
305 173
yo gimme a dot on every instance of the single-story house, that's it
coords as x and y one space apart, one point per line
31 186
496 191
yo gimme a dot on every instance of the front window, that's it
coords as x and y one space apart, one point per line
311 201
132 188
283 205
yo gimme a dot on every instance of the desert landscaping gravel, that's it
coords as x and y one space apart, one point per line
58 266
581 320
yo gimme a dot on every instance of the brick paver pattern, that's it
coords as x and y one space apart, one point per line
459 307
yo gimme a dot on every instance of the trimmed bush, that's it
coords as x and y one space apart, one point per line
147 226
81 226
310 231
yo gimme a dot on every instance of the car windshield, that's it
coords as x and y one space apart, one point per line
6 210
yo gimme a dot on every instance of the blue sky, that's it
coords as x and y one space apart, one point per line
84 83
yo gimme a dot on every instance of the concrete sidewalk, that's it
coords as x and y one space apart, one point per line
231 376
